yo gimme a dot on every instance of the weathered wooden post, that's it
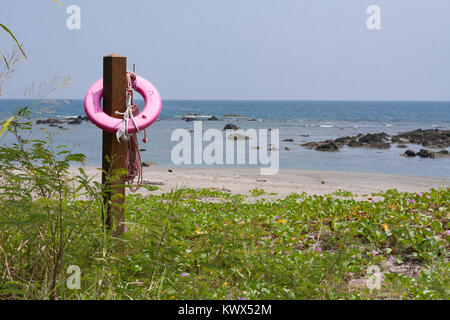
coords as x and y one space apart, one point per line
114 99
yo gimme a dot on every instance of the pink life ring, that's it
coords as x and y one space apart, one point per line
152 108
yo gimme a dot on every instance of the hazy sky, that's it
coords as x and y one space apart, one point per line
241 49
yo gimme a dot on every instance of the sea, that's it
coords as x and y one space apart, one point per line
302 121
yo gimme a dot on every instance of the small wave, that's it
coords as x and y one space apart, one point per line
388 125
326 126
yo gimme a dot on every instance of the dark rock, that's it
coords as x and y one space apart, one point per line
401 146
355 143
424 153
327 146
310 145
75 121
343 140
288 140
286 148
214 118
409 153
233 115
230 126
49 121
370 138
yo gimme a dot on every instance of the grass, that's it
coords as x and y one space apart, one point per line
179 245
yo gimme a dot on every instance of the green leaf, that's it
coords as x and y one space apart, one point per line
6 125
4 58
12 35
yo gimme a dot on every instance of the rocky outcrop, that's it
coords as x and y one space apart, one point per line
424 153
49 121
378 140
75 121
52 122
432 138
233 115
327 146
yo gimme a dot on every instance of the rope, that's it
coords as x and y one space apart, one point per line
133 160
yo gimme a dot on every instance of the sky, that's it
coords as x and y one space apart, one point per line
240 49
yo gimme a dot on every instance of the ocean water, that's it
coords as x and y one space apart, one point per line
320 120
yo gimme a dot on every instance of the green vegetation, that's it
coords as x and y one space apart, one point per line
184 245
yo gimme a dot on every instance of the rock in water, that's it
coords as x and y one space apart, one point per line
231 126
75 121
427 138
327 146
310 145
409 153
233 115
424 153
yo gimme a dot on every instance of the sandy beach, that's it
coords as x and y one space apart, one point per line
241 180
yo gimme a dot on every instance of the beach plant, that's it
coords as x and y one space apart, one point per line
40 201
5 28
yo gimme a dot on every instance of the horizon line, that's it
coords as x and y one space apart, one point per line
254 100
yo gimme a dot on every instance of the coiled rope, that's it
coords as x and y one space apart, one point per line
133 160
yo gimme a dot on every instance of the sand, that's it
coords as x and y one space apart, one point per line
241 180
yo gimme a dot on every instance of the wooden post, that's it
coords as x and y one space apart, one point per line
114 99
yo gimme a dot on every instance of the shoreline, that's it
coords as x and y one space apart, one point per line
287 181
